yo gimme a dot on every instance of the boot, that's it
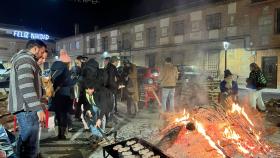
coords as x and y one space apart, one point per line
62 135
136 107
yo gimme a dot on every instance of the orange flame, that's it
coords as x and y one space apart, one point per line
183 119
230 134
242 149
237 108
202 131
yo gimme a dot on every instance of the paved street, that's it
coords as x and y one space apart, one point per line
144 125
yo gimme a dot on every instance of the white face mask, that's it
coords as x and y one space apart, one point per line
228 82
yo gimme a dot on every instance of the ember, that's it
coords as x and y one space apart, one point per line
226 133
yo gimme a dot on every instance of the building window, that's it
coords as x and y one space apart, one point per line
213 21
151 60
164 31
151 37
77 45
277 21
105 43
72 46
178 28
125 41
92 43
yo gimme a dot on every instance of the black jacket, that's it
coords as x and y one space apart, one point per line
101 98
90 69
113 77
61 77
255 80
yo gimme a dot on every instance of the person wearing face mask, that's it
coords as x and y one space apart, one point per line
228 87
62 84
25 97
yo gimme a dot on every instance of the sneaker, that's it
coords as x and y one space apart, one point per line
109 125
71 130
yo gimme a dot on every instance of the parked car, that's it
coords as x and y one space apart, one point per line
188 73
4 76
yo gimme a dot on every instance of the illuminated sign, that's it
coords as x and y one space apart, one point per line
29 35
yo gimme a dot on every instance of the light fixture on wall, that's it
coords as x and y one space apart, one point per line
226 46
253 53
86 1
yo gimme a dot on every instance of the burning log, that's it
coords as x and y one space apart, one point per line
169 138
228 131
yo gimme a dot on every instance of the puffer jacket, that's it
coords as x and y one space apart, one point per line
168 76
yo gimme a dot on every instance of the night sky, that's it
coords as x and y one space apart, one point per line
57 17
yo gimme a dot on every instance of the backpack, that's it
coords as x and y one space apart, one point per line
47 82
261 80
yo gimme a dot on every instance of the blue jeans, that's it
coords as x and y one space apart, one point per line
168 93
92 127
27 145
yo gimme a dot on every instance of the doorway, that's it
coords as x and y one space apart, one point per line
269 68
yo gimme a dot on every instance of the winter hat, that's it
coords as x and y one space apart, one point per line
114 59
64 57
227 73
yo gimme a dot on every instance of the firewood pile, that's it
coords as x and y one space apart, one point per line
6 119
3 96
273 105
213 90
206 92
216 131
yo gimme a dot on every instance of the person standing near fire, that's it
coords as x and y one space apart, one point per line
62 83
113 80
256 82
131 86
25 97
168 78
228 87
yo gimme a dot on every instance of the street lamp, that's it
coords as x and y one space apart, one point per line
226 45
253 53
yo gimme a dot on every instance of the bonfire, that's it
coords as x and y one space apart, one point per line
214 132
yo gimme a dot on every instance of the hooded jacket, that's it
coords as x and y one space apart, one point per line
113 77
25 84
61 78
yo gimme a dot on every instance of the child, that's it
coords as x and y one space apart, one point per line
93 112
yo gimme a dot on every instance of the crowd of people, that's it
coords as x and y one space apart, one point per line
90 93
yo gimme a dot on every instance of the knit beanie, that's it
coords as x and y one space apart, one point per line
64 57
227 73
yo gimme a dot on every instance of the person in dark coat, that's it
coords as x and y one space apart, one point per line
62 83
113 78
228 87
76 74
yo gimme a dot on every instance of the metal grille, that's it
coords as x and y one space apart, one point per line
213 64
